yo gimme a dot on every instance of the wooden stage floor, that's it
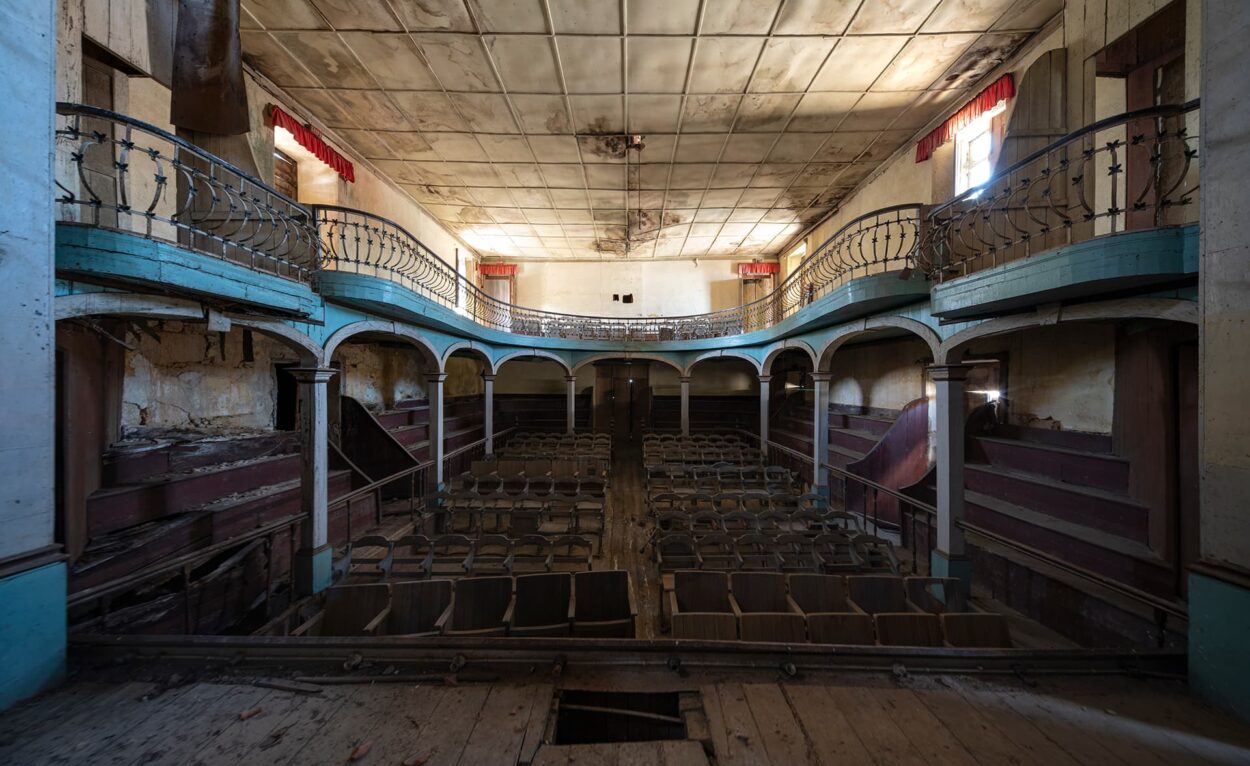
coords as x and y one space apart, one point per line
751 719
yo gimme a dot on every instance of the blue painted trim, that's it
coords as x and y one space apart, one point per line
86 250
959 567
1136 259
32 632
313 570
1219 622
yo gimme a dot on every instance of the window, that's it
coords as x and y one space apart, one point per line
974 145
285 174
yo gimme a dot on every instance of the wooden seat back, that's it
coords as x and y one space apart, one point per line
416 607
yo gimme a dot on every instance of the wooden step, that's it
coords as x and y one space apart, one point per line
1096 509
1071 466
408 435
860 441
137 460
873 424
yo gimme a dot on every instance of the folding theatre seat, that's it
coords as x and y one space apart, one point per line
797 553
831 619
976 630
897 621
836 552
492 555
700 607
876 554
604 605
376 551
936 595
675 551
755 551
349 610
717 551
450 556
480 606
531 553
417 606
544 605
571 553
765 611
412 557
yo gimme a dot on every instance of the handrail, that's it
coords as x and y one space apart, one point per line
1169 607
120 173
360 242
1071 190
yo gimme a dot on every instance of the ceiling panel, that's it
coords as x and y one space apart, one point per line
505 118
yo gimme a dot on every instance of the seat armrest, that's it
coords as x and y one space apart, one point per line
734 605
441 623
633 600
310 623
507 613
380 620
794 607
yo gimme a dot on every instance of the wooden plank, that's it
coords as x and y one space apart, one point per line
80 732
336 736
988 702
743 743
551 755
832 739
680 753
934 741
236 744
1090 723
28 719
782 736
715 721
1074 740
881 736
401 721
282 742
540 711
638 754
450 724
211 720
501 726
160 728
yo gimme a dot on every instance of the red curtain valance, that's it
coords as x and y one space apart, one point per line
497 269
758 269
306 138
1000 90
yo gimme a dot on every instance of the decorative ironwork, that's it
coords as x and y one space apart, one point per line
360 242
1136 170
119 173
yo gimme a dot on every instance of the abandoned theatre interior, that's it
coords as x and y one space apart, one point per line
625 381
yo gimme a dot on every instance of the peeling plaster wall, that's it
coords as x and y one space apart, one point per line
884 375
189 379
378 376
464 377
710 378
660 288
1059 377
544 377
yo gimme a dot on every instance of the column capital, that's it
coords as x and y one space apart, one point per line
822 377
488 378
949 372
765 378
571 378
436 377
318 375
684 379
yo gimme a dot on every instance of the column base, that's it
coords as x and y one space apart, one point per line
945 565
33 632
312 570
822 490
1219 621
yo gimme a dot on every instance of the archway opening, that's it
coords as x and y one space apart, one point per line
531 394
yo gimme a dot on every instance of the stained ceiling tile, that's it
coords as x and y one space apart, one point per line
891 16
730 175
765 113
457 60
501 148
700 147
724 64
408 145
678 199
412 173
845 146
372 107
654 114
284 14
358 14
775 175
922 61
788 64
429 111
433 15
822 111
662 17
477 174
598 114
563 175
796 147
508 215
526 63
490 196
709 114
392 59
569 198
554 148
1029 14
739 17
606 199
325 55
591 64
511 16
758 197
370 144
586 17
542 114
605 176
657 64
541 216
966 15
264 53
857 62
876 111
439 195
691 176
485 112
748 147
323 104
815 17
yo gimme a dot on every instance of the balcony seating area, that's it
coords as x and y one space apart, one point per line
857 610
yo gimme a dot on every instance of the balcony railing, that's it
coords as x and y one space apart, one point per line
1134 171
359 242
119 173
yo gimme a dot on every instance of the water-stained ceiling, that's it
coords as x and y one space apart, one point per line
506 118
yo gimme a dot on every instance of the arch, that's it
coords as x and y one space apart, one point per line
1169 309
477 351
780 347
529 353
866 326
628 356
723 354
157 307
429 354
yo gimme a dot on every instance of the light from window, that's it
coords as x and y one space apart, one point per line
974 145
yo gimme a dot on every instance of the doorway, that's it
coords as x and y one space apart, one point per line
286 404
622 399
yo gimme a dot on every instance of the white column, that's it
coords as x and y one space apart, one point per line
488 384
950 554
685 405
572 401
820 433
434 393
764 379
313 560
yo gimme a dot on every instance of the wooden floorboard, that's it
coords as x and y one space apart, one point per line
833 741
936 743
780 733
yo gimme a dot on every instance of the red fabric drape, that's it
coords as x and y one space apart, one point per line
306 138
497 269
1000 90
757 269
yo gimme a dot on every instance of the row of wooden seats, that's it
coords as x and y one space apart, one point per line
810 522
705 455
827 609
776 551
553 445
470 512
719 477
684 439
593 604
584 476
755 501
454 555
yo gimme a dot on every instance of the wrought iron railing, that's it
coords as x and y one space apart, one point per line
1136 170
360 242
117 172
